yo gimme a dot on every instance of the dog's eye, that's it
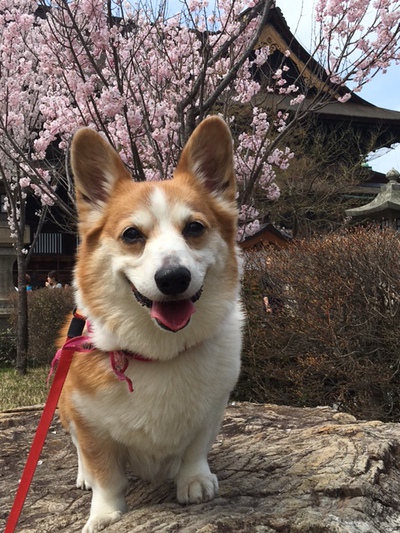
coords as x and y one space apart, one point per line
194 229
131 235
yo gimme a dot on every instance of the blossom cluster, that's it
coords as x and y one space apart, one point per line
146 81
359 38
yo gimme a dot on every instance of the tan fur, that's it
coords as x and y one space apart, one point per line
167 425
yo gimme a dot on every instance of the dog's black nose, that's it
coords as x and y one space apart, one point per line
173 280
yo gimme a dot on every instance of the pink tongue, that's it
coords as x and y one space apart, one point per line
173 315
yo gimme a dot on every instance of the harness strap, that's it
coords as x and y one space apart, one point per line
64 362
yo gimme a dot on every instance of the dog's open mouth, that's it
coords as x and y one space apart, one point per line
172 315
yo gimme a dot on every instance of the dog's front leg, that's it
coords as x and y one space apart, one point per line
104 469
195 481
108 505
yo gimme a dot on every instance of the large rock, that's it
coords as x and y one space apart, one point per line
281 469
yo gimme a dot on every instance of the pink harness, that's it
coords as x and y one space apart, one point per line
119 359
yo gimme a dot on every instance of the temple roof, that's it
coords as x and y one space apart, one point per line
278 36
268 234
355 108
388 199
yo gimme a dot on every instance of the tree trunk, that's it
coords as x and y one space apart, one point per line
22 307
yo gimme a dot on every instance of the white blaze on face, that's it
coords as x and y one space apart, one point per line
162 223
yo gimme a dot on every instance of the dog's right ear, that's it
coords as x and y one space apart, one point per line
96 167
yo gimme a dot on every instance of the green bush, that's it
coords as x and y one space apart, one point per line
8 348
333 334
47 311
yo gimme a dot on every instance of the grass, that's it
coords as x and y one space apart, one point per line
20 391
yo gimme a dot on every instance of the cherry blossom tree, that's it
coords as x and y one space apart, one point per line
146 77
19 117
21 173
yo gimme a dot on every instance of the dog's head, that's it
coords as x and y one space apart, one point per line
154 253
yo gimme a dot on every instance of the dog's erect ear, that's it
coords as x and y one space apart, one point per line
208 155
96 167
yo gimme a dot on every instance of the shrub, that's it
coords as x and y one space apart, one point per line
8 348
47 311
333 336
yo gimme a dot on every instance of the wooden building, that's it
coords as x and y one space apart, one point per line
266 236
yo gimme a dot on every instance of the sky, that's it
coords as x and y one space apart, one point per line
382 91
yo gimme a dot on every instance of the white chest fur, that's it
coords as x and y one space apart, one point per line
171 401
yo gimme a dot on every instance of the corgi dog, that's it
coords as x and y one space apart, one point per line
157 278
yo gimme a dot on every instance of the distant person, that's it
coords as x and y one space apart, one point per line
28 285
52 281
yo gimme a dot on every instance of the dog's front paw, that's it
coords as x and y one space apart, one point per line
81 483
197 489
100 522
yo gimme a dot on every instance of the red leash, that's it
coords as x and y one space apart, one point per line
64 362
75 343
39 439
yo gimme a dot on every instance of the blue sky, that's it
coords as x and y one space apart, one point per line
382 91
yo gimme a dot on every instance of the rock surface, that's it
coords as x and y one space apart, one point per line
281 469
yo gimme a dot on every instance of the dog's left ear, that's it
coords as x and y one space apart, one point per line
208 156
